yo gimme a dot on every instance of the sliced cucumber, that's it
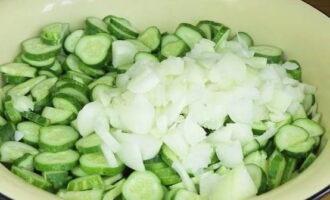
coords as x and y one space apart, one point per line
186 195
11 150
115 192
250 147
206 27
144 56
9 79
30 131
259 128
42 64
74 90
78 172
221 37
312 127
18 69
167 155
35 49
143 185
291 166
66 102
258 176
176 48
57 138
57 116
25 162
54 34
99 91
58 179
79 77
289 135
273 54
60 161
151 37
36 118
11 113
245 38
189 34
295 73
86 183
307 162
258 158
47 72
24 88
113 179
89 144
81 195
72 40
300 150
95 25
107 80
96 163
120 27
276 167
94 49
31 178
41 90
7 132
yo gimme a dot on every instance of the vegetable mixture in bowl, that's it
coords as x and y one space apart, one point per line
106 112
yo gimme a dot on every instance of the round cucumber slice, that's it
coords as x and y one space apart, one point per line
11 150
289 135
60 161
86 183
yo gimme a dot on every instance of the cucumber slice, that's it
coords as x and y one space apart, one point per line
143 185
312 127
206 27
151 37
168 38
258 176
67 102
74 90
99 91
221 37
81 195
167 155
58 179
2 123
113 179
300 150
258 158
57 138
54 34
72 62
89 144
120 27
60 161
250 147
39 105
30 131
64 80
11 150
95 25
258 128
291 165
107 80
89 70
177 49
11 113
96 163
79 77
47 63
289 135
300 113
86 183
77 171
26 87
155 164
31 178
94 49
48 73
307 162
115 192
25 162
18 69
9 79
35 49
72 40
171 194
273 54
295 73
189 34
309 101
276 166
7 132
144 56
57 116
245 38
186 195
36 118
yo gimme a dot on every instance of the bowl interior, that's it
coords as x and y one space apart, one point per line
300 30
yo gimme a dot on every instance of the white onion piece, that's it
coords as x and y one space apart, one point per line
208 183
130 154
187 182
109 156
198 158
86 117
241 132
102 129
230 153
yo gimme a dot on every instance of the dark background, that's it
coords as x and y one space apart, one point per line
322 5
